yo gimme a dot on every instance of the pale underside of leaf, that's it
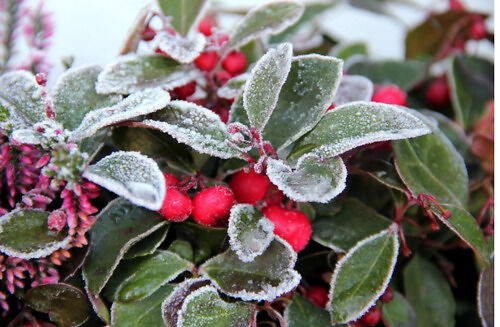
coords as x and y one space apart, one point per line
131 175
311 181
233 88
250 233
184 13
182 49
26 135
353 88
263 86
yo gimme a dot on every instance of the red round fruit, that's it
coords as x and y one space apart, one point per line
291 225
387 296
234 63
249 187
41 79
390 94
207 60
372 317
438 93
205 27
185 91
212 204
456 5
177 206
477 30
318 296
171 180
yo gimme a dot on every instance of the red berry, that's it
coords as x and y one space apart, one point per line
148 34
185 91
390 94
207 60
274 195
222 77
234 63
291 225
41 79
372 317
205 27
249 187
212 204
171 180
223 114
177 206
318 296
357 323
456 5
438 93
477 30
387 296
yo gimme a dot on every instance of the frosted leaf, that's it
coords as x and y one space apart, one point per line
265 278
486 296
233 88
263 86
137 104
357 123
205 308
353 88
173 302
304 98
131 175
311 181
357 283
250 232
26 135
75 95
195 126
181 49
22 96
270 18
24 234
132 73
184 13
303 313
238 113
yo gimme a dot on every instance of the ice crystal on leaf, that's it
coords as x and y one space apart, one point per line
233 88
353 88
182 49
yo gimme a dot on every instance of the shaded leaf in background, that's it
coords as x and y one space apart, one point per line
353 88
398 312
346 51
486 296
148 245
184 13
302 313
206 241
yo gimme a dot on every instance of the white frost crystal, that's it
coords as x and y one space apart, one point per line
182 49
353 88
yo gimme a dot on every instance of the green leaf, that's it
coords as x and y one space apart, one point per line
357 282
137 104
151 273
250 232
429 294
270 18
24 234
182 49
471 87
100 308
267 277
148 245
22 96
4 113
238 113
353 88
313 180
145 312
75 95
131 175
182 248
346 51
195 126
344 230
264 84
429 37
486 295
399 312
358 123
205 308
302 313
206 241
233 88
65 304
93 144
184 13
120 225
304 98
132 73
405 74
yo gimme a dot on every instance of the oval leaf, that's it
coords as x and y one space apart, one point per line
265 278
353 88
120 225
132 73
181 49
302 313
486 296
313 180
148 245
24 234
233 88
137 104
205 308
399 312
359 123
65 304
264 84
357 282
304 98
270 18
184 13
195 126
75 95
131 175
429 294
250 233
100 308
151 273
